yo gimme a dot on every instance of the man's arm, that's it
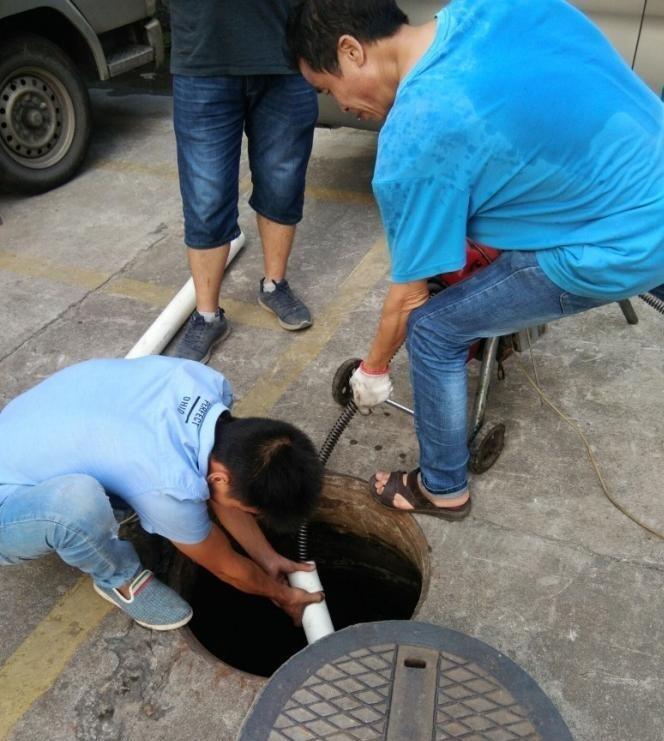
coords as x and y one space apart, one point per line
401 300
244 528
371 382
217 555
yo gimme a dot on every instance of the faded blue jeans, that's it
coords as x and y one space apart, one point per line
71 516
278 113
510 294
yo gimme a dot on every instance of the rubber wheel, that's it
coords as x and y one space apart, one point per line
486 447
45 119
341 390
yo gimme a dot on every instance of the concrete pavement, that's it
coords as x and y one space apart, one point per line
545 569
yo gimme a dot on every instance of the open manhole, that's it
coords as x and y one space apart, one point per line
373 564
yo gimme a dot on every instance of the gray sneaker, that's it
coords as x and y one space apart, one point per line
290 311
151 603
200 337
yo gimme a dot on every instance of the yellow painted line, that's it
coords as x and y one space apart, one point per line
139 290
34 267
287 367
39 660
239 312
36 664
154 294
165 172
333 195
170 172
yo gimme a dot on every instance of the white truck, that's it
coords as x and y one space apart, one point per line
48 49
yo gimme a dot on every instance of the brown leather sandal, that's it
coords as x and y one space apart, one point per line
411 492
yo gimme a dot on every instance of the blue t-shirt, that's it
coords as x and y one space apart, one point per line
142 428
522 128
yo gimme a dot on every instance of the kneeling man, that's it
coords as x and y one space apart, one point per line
157 434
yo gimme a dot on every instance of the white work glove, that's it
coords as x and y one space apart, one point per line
370 388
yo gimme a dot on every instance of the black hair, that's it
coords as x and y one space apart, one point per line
315 27
273 466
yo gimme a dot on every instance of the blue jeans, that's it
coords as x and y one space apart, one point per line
71 516
278 113
509 295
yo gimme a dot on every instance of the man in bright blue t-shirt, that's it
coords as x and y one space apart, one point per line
156 434
513 123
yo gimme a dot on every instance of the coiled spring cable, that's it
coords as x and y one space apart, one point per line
656 303
351 410
333 437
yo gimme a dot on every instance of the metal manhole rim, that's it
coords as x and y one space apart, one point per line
292 675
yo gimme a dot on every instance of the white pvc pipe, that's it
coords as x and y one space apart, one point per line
316 619
166 325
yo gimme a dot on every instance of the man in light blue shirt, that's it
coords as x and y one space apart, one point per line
157 434
516 124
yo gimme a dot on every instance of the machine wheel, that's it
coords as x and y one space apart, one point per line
341 390
486 447
45 118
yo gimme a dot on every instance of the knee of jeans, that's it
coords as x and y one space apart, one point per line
419 327
279 200
82 504
430 333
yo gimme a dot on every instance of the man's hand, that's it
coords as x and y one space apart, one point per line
296 600
370 387
279 567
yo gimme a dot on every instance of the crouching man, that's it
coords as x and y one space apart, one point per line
157 434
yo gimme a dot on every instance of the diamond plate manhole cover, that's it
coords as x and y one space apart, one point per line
402 681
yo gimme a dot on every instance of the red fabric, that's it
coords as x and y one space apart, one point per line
478 257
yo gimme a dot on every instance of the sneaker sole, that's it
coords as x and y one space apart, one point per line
206 358
290 327
169 626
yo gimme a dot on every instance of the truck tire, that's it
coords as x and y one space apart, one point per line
45 117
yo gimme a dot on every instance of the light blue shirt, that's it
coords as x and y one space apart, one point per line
142 428
522 128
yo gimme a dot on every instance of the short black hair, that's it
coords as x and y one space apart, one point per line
273 466
315 27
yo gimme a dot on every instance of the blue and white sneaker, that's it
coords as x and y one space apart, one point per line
151 603
290 311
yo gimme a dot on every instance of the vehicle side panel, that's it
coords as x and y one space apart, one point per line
105 16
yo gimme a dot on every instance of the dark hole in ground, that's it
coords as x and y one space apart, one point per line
364 581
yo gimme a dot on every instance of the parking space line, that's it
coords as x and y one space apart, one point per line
165 171
36 664
39 660
239 312
287 367
34 267
334 195
170 172
155 294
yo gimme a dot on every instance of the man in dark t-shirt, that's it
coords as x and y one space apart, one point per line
230 74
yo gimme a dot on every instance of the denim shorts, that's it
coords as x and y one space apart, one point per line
278 114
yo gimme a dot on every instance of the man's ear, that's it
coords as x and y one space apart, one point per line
219 474
348 47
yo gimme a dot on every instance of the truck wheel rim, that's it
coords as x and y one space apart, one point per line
37 120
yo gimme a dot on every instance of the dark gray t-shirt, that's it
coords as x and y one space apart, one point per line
227 37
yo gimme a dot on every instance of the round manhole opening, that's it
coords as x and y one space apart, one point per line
373 566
